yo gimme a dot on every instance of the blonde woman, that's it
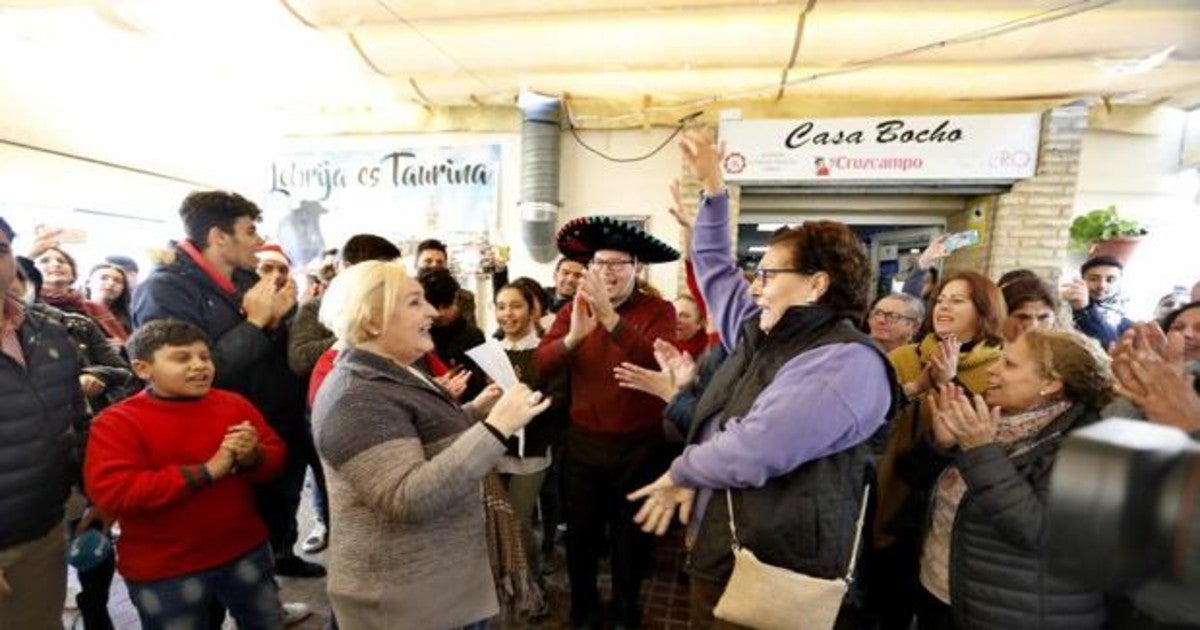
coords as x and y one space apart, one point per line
404 463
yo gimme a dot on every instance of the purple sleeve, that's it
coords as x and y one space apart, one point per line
725 291
819 403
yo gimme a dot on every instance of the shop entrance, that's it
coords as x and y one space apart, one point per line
895 226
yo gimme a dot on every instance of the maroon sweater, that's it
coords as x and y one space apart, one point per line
143 465
597 403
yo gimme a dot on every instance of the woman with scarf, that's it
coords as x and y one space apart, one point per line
108 289
780 440
59 273
965 320
983 562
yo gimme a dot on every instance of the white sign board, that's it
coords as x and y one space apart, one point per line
994 148
398 192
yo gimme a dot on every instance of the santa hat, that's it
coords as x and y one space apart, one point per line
272 251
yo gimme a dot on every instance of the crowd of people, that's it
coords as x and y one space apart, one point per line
181 413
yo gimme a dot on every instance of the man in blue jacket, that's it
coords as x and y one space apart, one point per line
41 408
1096 302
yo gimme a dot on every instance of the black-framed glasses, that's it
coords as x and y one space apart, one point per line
612 265
762 274
890 317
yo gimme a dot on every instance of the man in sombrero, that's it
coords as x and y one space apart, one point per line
614 443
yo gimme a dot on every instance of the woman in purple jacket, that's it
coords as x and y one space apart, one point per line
785 424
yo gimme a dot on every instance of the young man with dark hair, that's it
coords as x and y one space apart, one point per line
452 334
177 465
567 274
431 254
1096 303
212 283
41 413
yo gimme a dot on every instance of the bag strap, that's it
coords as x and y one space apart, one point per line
732 526
862 517
858 528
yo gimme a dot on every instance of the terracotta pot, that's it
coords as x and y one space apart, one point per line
1121 248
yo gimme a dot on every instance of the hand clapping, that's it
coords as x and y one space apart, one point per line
960 420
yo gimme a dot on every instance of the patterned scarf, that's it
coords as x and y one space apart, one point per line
516 587
1014 433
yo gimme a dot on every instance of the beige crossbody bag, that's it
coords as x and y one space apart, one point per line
767 597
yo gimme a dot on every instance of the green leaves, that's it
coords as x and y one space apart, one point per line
1101 225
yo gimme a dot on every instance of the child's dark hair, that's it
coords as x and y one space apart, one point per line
441 289
149 337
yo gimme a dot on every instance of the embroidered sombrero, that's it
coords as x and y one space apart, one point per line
581 237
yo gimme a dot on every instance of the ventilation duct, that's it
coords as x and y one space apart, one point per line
541 118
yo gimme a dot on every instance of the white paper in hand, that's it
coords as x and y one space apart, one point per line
491 358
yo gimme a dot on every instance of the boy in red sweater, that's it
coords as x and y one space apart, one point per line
176 465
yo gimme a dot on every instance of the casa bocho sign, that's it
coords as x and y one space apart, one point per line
994 148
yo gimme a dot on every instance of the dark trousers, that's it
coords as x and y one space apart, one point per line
933 613
890 587
94 585
551 502
702 599
279 500
598 471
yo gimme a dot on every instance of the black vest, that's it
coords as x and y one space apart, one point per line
803 521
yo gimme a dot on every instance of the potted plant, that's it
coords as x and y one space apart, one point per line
1104 233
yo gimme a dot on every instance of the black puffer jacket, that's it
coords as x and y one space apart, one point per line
249 360
97 356
41 409
999 570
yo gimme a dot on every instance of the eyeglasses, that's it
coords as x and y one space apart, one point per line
762 274
611 265
889 317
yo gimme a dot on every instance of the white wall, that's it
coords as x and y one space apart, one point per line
41 188
593 185
1141 175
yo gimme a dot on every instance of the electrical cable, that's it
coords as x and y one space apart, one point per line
626 160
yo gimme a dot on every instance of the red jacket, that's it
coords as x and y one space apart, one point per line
324 366
143 464
597 403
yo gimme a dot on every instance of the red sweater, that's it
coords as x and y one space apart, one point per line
597 403
143 464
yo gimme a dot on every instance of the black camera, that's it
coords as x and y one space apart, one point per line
1124 507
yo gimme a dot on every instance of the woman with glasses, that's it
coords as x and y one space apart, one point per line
965 320
779 440
894 320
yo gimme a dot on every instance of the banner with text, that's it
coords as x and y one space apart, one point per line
401 193
1001 147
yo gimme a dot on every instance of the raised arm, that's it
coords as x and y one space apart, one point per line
725 292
